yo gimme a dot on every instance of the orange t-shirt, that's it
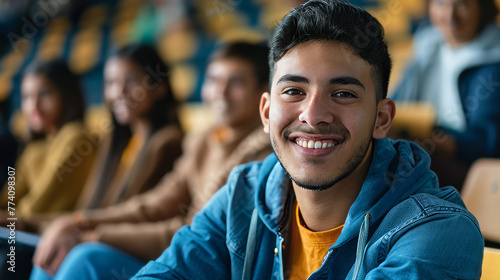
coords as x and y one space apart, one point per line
128 157
306 249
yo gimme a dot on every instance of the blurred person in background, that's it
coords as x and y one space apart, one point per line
145 137
456 69
138 230
56 160
141 141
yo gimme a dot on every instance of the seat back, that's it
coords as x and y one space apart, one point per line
413 120
481 195
491 264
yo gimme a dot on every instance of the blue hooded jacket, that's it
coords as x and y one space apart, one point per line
402 225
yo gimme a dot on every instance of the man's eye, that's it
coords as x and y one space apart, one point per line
344 94
292 92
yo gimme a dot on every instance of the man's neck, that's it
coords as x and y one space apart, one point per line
328 209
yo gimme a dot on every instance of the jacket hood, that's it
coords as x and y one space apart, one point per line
398 170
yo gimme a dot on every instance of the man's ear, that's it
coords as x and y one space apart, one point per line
386 109
265 103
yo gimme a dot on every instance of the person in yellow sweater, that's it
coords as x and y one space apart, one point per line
141 139
56 161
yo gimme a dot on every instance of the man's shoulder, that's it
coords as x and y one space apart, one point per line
449 206
423 208
447 197
427 234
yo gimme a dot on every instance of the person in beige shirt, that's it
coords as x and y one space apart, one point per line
142 227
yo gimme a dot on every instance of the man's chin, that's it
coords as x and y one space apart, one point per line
313 186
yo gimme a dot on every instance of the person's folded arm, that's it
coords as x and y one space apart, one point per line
198 251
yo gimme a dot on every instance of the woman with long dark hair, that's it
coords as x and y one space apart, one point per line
145 137
55 163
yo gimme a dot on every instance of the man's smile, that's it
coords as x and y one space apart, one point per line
314 144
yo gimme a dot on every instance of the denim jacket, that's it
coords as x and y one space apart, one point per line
401 226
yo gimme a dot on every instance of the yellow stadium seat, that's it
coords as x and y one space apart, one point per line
481 195
414 120
491 264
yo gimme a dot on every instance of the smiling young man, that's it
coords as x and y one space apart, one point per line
336 200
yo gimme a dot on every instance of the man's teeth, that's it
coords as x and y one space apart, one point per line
314 144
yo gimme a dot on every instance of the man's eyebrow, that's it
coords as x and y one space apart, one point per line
293 78
346 80
342 80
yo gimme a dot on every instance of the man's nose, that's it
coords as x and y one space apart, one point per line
36 102
222 90
449 12
317 110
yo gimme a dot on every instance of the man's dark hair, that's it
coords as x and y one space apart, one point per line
335 21
256 54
